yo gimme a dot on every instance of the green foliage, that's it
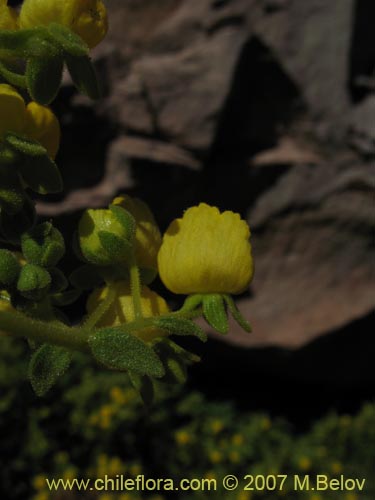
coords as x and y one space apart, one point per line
119 350
33 282
9 269
43 245
94 424
215 313
180 326
47 364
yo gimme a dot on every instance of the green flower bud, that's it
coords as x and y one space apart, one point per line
33 282
106 236
9 269
43 245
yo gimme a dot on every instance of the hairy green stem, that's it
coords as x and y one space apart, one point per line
20 325
136 289
103 307
13 78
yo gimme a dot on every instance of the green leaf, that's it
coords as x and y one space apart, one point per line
69 41
44 245
83 75
9 268
187 356
33 282
174 365
144 386
41 175
120 350
244 324
215 313
47 364
180 326
12 195
11 77
24 145
43 78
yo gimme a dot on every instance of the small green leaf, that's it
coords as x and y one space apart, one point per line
9 268
41 175
83 75
174 365
120 350
144 386
215 313
43 245
12 195
180 326
244 324
187 356
47 364
24 145
33 282
69 41
43 78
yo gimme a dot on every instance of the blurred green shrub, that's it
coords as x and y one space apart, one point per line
95 425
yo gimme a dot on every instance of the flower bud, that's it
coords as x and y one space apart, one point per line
86 18
9 269
33 282
43 245
12 110
8 17
147 234
42 125
106 236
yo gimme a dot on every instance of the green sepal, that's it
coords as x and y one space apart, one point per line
116 248
33 282
144 386
237 316
13 226
43 245
12 195
174 365
65 298
41 174
24 145
69 41
192 302
214 312
187 356
47 364
126 219
14 79
83 75
180 326
20 42
120 350
9 269
85 277
43 78
8 156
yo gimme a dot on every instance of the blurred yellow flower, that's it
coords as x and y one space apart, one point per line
182 437
216 426
206 252
122 309
39 482
8 16
238 439
33 121
336 467
42 125
147 235
215 457
304 463
12 110
86 18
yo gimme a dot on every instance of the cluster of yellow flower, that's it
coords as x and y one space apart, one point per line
86 18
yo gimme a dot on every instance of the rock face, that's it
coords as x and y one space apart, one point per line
264 107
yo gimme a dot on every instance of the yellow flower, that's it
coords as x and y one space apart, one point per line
147 235
42 125
122 309
217 426
304 463
206 252
238 439
12 110
86 18
8 17
39 482
182 437
215 457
